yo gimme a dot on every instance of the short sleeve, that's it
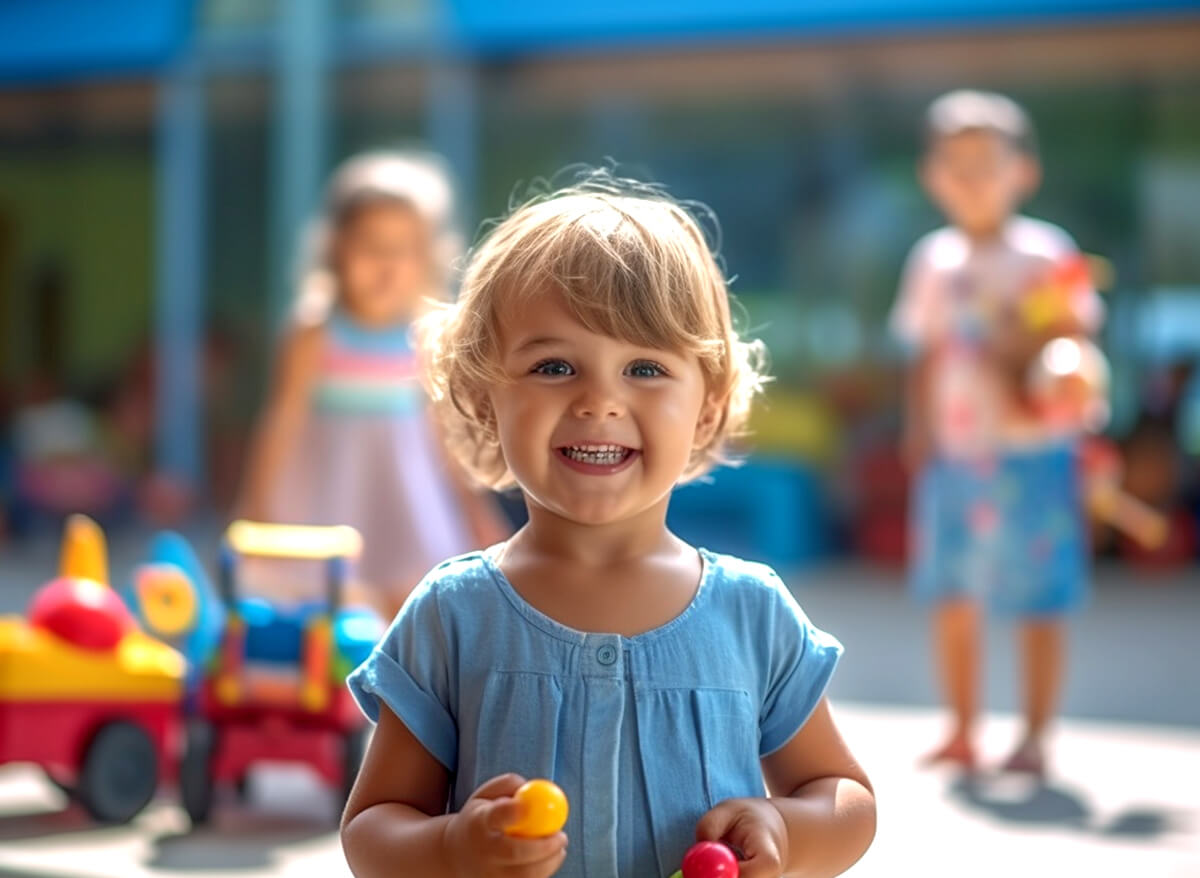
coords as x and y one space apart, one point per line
800 664
910 319
410 672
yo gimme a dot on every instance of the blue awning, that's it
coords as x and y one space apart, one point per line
492 26
53 40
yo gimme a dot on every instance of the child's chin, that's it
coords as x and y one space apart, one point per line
593 519
594 515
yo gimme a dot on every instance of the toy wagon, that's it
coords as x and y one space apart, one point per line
275 689
84 693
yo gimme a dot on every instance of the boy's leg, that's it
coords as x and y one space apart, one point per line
1043 642
1051 583
957 635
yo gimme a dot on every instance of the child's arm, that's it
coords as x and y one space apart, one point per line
912 322
281 421
820 819
916 441
395 820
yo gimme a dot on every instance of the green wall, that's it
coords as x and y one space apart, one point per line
91 211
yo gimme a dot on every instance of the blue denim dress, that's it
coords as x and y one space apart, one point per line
644 734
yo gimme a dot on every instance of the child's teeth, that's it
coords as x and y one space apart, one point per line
599 455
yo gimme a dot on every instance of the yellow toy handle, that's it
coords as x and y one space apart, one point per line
303 541
84 552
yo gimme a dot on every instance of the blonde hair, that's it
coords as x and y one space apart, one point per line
629 262
419 181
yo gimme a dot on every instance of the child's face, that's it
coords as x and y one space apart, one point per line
595 429
978 179
382 259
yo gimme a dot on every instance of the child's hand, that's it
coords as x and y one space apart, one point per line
755 828
477 847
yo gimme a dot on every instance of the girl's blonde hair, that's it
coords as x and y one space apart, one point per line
419 181
629 262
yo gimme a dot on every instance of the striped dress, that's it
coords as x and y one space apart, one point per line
367 457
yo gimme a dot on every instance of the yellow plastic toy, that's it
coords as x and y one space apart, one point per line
84 693
544 810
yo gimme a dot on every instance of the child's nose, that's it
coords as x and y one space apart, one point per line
598 400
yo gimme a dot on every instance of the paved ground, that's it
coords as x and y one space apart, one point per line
1124 798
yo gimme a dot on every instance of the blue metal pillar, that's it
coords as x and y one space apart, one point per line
451 125
298 148
180 246
452 111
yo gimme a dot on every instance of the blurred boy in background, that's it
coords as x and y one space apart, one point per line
998 512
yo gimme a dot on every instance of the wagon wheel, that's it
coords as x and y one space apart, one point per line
119 774
195 770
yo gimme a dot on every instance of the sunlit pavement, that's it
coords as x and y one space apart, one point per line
1122 799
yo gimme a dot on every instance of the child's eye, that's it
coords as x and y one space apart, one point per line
646 369
554 368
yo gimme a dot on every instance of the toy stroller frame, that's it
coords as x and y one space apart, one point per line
234 725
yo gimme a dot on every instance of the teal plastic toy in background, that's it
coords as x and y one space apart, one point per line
275 633
174 600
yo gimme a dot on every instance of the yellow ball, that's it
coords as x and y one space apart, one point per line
543 810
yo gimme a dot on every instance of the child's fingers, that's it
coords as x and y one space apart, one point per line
502 813
759 853
550 866
543 869
743 829
716 823
761 866
499 786
514 852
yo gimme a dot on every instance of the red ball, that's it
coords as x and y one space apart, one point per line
709 859
82 612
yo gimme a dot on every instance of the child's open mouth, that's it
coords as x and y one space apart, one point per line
597 459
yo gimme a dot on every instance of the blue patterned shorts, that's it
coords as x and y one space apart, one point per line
1007 531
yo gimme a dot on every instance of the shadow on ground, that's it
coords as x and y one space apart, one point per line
42 823
1028 801
250 844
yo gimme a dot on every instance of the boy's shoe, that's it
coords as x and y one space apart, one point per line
1028 758
957 751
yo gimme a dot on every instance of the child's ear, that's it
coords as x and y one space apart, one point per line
1031 175
709 419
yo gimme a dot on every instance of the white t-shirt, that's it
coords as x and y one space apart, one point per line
953 293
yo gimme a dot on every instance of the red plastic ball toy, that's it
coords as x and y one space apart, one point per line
82 612
709 859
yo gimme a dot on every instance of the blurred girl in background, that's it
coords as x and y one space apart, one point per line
345 437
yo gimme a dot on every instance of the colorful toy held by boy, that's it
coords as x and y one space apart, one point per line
1067 387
